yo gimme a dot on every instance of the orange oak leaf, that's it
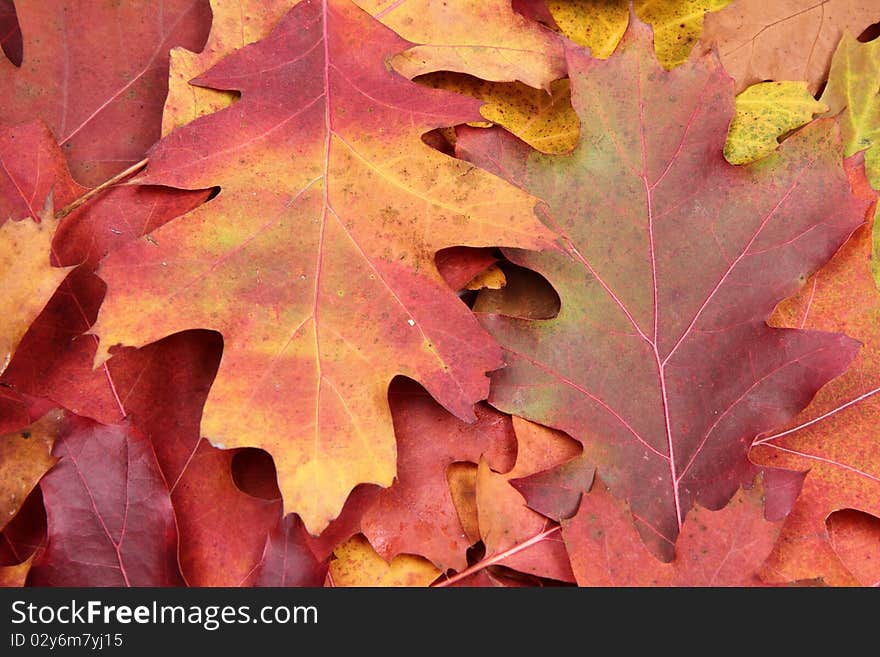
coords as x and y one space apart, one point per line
716 548
101 95
673 260
513 535
835 438
316 260
784 39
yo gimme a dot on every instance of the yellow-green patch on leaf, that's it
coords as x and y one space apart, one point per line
764 113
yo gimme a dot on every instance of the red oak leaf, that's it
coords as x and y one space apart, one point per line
673 261
417 515
716 548
110 520
97 74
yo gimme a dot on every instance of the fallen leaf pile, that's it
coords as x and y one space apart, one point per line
448 293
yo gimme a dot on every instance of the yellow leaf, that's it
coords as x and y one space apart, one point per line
26 276
600 24
853 95
596 24
358 564
765 112
853 92
491 279
545 121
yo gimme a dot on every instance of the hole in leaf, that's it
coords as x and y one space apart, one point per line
527 294
253 472
870 33
10 32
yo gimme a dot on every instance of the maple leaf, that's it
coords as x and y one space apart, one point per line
764 113
674 260
835 437
109 513
717 548
417 515
357 564
307 269
783 40
600 24
104 116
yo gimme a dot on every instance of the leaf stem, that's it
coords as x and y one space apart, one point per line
804 425
85 198
501 556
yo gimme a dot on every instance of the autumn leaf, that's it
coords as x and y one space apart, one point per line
417 515
33 173
24 537
853 95
110 516
545 121
25 456
673 261
236 23
357 564
834 439
600 24
513 536
484 38
223 531
783 40
764 113
335 268
288 559
855 537
104 116
716 548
